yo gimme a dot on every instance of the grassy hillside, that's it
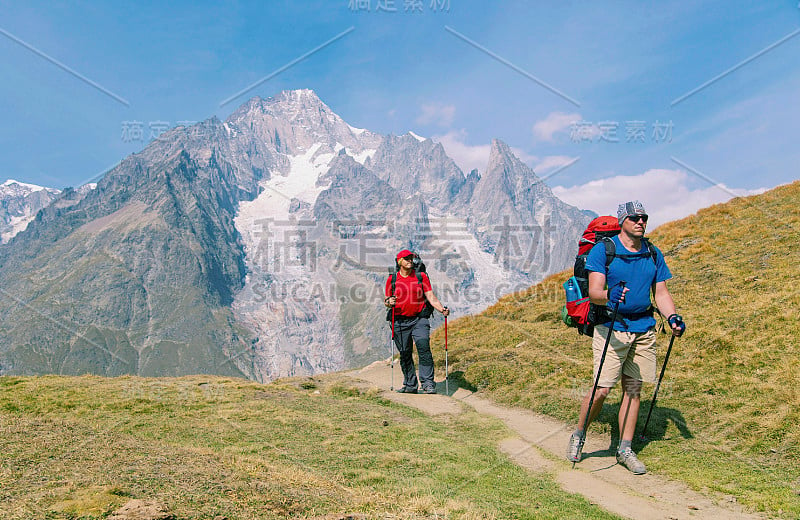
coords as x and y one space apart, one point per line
79 447
727 414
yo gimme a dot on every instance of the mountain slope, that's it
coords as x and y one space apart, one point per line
133 278
259 245
729 402
418 167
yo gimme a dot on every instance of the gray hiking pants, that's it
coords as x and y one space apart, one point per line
417 330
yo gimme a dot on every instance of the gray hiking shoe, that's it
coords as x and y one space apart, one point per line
628 459
574 448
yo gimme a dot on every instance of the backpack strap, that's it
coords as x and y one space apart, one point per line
419 281
422 287
652 250
427 310
611 251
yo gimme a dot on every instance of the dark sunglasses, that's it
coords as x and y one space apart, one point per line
636 218
410 258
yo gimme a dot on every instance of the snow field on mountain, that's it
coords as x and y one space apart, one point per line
452 240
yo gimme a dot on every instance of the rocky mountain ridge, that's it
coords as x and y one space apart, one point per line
258 246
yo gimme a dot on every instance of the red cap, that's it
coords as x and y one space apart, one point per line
404 253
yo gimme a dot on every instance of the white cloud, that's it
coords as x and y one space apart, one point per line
438 114
554 123
665 194
470 157
552 162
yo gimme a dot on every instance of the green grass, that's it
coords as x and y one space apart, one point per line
728 410
78 447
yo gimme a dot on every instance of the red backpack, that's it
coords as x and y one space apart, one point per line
599 228
579 311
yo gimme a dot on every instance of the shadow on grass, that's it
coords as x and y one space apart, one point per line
455 380
659 422
656 428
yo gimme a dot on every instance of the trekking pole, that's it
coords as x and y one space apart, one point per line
597 378
446 381
391 346
658 385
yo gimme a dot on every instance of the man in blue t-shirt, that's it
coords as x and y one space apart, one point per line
631 353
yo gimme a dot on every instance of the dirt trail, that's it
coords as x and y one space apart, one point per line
540 445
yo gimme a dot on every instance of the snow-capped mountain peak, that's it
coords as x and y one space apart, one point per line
19 203
13 186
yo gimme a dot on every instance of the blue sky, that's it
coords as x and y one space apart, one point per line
600 87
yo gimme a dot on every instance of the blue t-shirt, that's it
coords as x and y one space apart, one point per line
639 271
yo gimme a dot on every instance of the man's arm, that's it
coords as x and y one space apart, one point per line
436 303
390 299
664 299
598 294
666 306
597 288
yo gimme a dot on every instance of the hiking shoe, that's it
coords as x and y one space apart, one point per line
406 390
428 389
574 448
628 459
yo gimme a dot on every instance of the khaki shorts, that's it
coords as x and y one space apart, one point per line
629 353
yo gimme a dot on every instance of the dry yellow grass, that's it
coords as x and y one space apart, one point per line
79 447
728 410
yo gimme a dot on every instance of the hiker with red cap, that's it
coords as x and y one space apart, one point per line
410 296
